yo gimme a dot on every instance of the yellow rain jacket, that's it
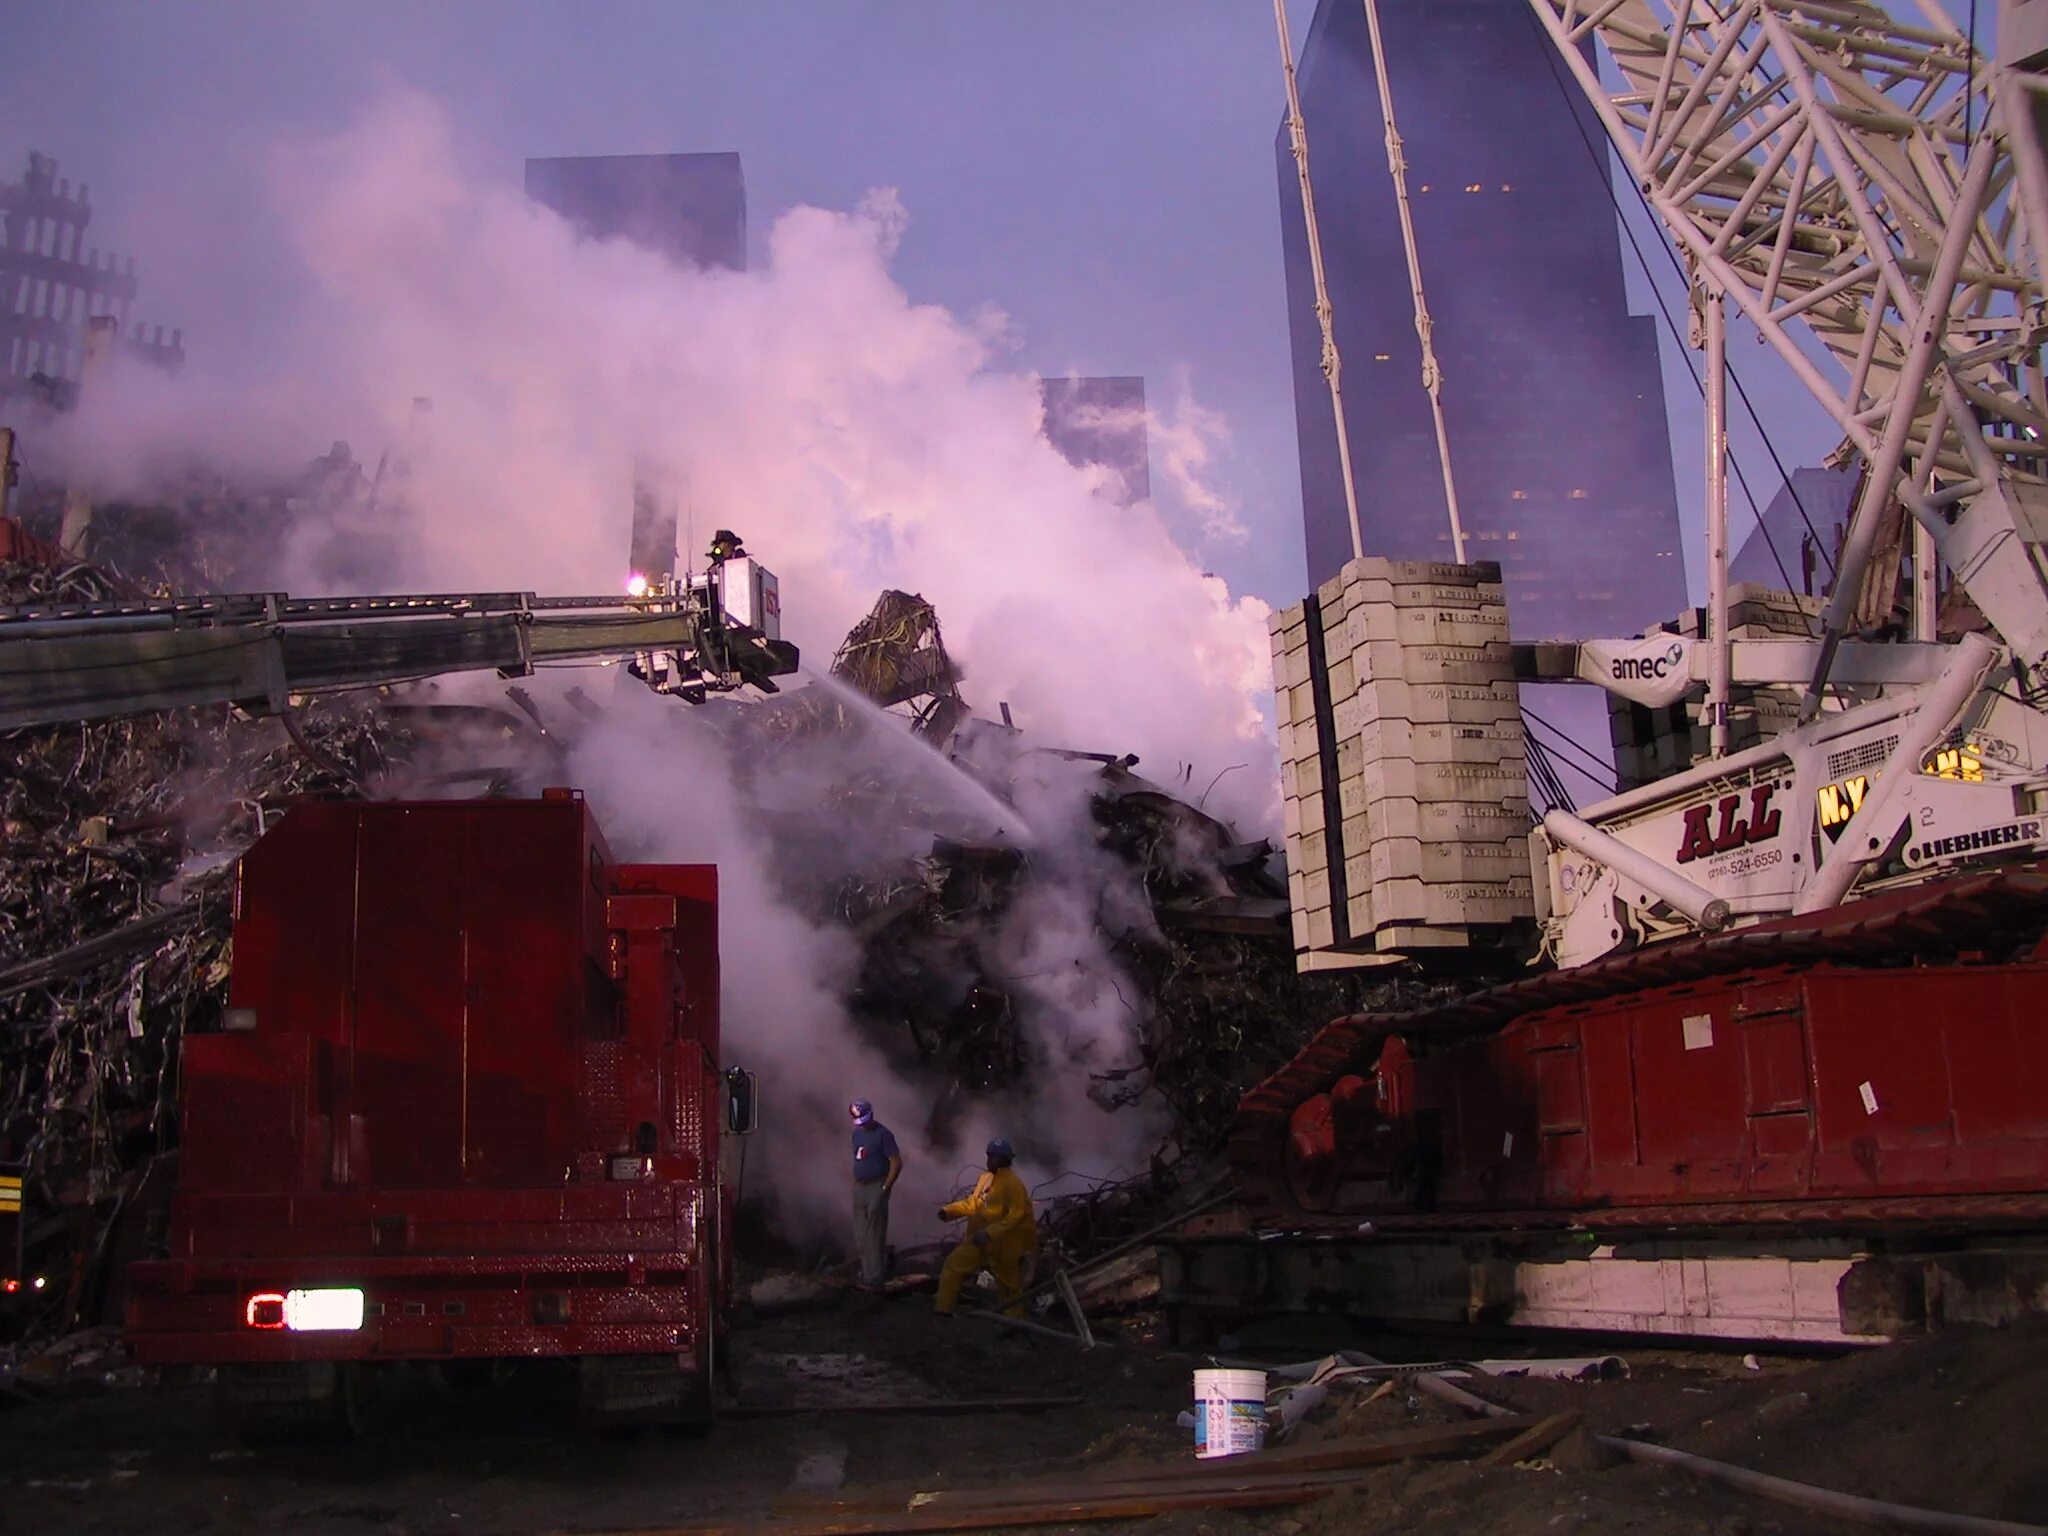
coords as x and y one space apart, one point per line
1000 1207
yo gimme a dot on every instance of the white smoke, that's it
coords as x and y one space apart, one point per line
857 439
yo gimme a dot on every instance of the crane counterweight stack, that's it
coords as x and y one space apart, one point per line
1406 806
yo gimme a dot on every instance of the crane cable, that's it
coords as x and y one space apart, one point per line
1297 137
1432 375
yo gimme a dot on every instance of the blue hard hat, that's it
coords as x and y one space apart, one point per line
862 1111
1000 1150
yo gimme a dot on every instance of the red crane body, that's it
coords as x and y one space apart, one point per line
1832 1069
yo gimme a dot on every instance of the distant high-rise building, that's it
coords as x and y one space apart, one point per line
1551 388
52 284
1795 542
690 208
1101 422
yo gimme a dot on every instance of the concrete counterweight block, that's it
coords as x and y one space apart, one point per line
1405 787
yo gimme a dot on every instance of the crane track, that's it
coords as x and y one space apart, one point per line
1992 913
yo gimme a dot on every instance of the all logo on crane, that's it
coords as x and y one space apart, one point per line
1713 826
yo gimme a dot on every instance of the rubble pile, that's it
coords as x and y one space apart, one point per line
331 526
925 856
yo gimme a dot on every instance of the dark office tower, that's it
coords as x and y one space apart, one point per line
1795 543
52 284
1102 422
1551 389
690 208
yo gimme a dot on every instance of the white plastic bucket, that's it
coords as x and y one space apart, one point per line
1230 1412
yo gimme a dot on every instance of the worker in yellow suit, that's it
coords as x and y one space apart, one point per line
1001 1233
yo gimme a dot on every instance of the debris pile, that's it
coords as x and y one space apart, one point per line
930 859
331 526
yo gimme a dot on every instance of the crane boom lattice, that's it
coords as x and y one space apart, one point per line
1824 162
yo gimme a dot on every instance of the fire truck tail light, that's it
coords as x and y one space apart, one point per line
339 1310
335 1309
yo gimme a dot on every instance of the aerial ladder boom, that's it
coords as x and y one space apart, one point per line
257 651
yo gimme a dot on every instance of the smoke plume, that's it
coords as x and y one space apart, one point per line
857 439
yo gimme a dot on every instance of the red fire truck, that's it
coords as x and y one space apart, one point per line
466 1107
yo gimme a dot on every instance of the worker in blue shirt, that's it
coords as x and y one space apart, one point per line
877 1165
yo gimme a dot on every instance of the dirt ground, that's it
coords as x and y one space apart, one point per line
1953 1422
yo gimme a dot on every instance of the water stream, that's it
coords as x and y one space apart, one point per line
929 770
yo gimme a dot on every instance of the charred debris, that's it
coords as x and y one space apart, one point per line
120 838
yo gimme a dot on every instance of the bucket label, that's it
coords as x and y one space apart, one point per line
1228 1427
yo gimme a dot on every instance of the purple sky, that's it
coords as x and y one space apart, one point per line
1103 173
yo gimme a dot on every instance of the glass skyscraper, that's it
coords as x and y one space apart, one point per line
1551 389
